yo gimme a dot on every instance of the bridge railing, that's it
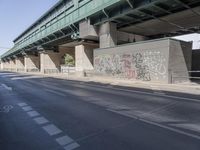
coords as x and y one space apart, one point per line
191 76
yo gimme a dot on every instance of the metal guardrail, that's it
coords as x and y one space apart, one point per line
51 71
67 69
191 76
20 69
33 70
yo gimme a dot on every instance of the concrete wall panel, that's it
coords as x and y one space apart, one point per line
180 61
146 61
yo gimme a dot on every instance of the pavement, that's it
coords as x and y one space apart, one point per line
51 113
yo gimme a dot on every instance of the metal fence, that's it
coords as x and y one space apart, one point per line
193 76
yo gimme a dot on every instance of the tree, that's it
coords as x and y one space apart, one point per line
69 60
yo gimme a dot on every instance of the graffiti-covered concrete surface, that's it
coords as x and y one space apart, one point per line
146 61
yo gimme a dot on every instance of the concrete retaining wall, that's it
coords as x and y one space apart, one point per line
146 61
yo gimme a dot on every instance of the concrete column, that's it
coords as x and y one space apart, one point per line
31 63
2 65
84 58
108 35
6 67
13 65
20 64
49 62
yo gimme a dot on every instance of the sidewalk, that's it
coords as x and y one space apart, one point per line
190 88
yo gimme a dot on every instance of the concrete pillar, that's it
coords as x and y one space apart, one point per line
32 63
2 64
20 64
84 58
6 65
88 31
49 62
108 35
12 65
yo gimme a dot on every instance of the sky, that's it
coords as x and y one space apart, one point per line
191 37
18 15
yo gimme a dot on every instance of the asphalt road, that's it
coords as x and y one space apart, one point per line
43 113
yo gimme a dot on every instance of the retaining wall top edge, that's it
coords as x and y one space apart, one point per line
141 42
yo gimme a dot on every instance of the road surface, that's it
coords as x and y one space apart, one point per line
44 113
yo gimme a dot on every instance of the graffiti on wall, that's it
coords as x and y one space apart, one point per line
142 66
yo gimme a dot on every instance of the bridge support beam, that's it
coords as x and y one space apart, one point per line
108 35
31 63
20 64
84 58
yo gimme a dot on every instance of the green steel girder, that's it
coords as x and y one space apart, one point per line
69 17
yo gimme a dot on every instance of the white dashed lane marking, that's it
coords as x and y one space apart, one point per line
64 140
22 104
71 146
33 113
40 120
27 108
52 129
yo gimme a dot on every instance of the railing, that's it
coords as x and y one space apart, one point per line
51 71
20 69
67 69
33 70
193 76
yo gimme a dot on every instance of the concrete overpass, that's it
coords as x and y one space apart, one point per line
77 27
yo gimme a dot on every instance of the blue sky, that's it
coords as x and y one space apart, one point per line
17 15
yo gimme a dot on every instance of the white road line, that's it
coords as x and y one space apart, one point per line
147 93
52 129
71 146
64 140
22 104
40 120
25 77
27 108
157 124
6 87
55 92
33 113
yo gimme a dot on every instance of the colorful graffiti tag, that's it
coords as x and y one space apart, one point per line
141 66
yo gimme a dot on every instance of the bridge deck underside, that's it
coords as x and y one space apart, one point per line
156 19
